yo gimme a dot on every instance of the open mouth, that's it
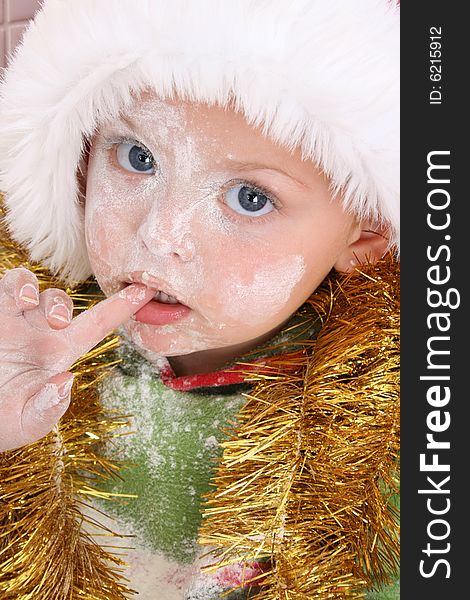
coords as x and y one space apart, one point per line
165 298
160 296
163 309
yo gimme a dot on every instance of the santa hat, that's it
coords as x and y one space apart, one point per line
322 75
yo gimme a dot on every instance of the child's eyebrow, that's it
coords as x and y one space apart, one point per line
129 122
260 167
248 166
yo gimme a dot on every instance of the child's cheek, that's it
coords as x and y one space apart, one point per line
112 217
251 295
103 249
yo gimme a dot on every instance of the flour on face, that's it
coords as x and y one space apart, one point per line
241 275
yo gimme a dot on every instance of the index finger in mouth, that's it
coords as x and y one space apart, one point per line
93 325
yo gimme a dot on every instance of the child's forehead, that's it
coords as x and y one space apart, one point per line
184 114
220 131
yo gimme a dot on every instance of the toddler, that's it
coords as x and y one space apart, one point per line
208 165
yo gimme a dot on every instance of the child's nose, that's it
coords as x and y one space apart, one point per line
167 239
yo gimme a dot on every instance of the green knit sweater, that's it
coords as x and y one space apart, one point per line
171 450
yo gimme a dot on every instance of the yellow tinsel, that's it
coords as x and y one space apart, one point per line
305 483
307 479
45 553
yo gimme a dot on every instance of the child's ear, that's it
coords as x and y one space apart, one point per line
369 245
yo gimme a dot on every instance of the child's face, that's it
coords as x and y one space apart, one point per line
237 228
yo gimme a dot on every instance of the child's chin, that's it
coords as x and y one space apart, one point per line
166 340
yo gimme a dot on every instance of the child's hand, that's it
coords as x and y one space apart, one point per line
39 343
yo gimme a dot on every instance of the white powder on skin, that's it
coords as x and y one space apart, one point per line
117 199
168 227
271 289
173 224
46 398
135 296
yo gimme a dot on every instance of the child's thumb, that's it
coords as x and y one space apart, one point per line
42 411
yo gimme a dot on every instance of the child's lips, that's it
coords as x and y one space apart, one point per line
153 282
160 313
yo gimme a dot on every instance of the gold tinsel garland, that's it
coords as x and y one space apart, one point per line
45 553
307 480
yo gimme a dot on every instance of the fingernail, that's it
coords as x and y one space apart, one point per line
65 388
60 312
49 397
134 294
29 293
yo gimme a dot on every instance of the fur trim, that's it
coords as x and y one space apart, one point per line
322 75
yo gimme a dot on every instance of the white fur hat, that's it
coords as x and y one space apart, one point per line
319 74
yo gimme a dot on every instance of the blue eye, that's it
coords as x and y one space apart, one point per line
134 158
248 201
